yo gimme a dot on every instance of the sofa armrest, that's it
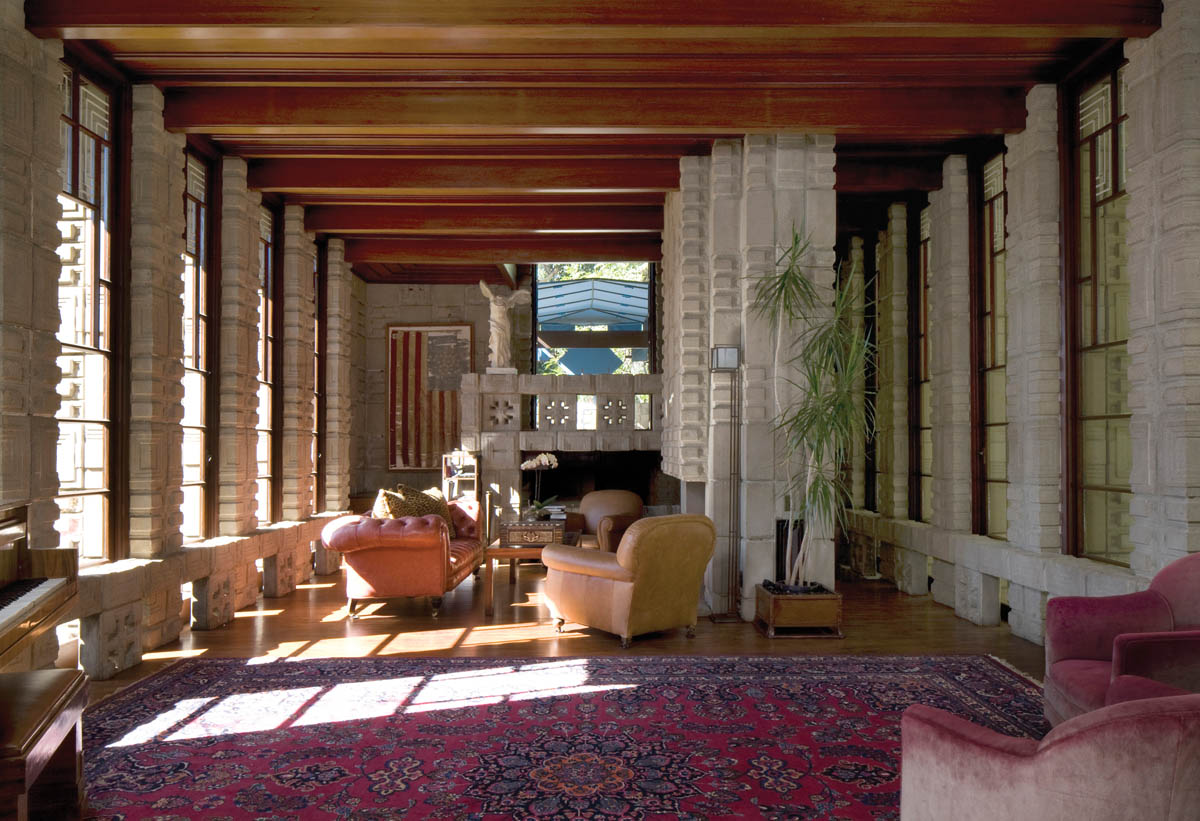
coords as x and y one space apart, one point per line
1084 627
1171 658
347 534
611 529
585 562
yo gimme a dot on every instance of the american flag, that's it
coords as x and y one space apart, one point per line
426 365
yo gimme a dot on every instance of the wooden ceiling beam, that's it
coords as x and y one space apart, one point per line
593 147
463 176
411 219
856 176
815 19
503 199
282 110
494 250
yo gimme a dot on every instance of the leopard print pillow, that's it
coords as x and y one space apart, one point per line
409 501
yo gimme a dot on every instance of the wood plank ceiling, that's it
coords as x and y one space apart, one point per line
443 139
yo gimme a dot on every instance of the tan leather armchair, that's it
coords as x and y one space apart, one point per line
603 517
652 581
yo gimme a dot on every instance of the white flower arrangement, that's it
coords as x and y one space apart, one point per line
542 461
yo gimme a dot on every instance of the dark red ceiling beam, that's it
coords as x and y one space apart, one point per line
462 176
460 250
869 177
815 19
415 219
503 199
942 112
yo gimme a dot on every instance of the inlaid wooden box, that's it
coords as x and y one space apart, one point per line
550 531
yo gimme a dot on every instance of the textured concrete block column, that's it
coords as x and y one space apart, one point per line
358 374
855 279
338 388
891 408
294 387
1164 310
155 340
1034 328
29 271
239 358
685 288
977 596
912 571
950 368
724 324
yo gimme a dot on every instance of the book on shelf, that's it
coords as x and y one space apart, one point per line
560 515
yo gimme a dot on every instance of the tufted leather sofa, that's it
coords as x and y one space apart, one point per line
409 556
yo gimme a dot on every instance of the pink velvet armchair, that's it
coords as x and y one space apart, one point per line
409 556
1137 759
1154 635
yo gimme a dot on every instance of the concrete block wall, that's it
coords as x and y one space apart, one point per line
1163 157
295 381
891 399
1163 181
30 105
725 228
339 388
155 341
684 282
239 353
385 305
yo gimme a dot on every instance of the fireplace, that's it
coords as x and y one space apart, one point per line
580 472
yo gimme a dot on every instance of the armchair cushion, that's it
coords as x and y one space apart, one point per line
1132 688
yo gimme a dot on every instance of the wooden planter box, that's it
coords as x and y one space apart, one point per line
798 615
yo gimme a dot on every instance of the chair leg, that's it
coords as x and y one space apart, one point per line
691 631
350 608
558 625
436 601
624 642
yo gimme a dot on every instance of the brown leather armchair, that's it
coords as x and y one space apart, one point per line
652 581
604 516
409 556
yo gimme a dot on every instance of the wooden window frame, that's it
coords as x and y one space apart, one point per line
980 245
1106 61
104 75
918 291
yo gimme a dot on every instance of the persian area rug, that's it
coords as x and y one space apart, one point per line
586 738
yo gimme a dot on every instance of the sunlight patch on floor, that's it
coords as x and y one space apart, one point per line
423 641
505 633
250 614
315 586
156 655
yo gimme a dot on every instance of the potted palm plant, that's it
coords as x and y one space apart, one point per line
819 371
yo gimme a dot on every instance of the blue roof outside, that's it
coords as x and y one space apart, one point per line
592 302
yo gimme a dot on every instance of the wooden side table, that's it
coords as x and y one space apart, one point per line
519 540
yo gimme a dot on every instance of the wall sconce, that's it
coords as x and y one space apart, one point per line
725 358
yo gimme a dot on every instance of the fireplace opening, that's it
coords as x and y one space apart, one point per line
582 472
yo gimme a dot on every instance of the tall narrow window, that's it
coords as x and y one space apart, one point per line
266 363
921 503
196 366
318 398
85 300
1100 326
992 380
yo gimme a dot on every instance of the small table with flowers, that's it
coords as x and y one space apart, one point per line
520 540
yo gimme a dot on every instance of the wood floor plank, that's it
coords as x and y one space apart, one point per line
310 623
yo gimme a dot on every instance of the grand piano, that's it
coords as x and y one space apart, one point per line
38 590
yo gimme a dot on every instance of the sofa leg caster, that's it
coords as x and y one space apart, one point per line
691 631
624 643
558 625
436 601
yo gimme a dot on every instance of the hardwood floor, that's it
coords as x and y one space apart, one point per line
311 623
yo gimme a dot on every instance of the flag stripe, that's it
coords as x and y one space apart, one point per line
424 423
